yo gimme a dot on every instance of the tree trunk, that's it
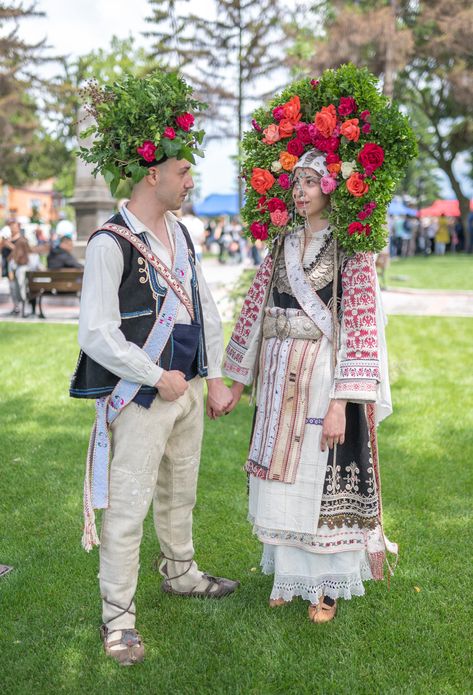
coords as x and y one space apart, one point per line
463 201
389 70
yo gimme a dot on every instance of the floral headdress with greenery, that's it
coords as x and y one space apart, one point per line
140 122
366 141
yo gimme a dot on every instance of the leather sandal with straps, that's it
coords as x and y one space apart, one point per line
322 612
127 648
217 587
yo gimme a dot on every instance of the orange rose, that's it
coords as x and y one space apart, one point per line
350 129
356 185
261 180
334 168
292 109
271 134
286 128
288 161
326 120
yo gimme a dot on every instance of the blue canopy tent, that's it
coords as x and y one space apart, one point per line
217 204
397 207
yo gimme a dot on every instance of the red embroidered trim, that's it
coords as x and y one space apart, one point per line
359 307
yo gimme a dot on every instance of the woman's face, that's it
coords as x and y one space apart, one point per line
307 194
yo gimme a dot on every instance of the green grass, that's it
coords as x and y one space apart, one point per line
450 272
399 641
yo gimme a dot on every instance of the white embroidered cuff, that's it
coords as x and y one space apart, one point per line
355 391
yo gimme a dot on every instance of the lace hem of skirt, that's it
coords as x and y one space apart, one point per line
312 588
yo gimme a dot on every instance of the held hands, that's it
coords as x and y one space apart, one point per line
219 398
172 385
333 430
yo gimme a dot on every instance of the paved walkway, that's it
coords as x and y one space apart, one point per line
222 277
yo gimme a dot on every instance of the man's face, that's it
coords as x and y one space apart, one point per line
175 182
66 244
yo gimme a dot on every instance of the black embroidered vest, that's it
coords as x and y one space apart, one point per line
141 295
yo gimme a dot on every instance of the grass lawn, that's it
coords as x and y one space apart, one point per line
413 639
450 272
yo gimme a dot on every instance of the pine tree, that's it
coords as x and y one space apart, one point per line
226 58
18 109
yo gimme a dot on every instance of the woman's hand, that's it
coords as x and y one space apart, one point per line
237 389
333 430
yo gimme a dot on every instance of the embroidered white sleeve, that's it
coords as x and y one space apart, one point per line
100 336
357 374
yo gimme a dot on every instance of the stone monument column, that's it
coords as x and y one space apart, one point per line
92 201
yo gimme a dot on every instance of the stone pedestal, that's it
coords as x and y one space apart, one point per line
92 201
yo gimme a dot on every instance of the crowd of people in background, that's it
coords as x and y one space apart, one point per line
223 237
429 235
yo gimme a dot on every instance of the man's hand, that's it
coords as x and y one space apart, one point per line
333 430
219 398
172 385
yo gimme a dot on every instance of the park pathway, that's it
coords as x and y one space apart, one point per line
221 278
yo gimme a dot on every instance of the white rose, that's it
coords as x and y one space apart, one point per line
276 167
348 168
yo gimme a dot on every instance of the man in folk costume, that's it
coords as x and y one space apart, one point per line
311 338
150 333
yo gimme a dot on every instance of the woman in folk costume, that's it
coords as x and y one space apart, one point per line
311 335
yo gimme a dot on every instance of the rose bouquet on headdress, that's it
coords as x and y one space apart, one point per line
140 122
366 141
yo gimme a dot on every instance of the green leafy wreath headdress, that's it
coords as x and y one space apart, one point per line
140 122
367 143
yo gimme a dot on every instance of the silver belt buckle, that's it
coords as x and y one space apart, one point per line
283 327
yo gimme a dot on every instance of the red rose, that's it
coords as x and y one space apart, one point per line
259 230
326 144
284 181
371 156
347 106
185 121
274 204
147 150
278 113
355 228
169 133
366 128
295 147
365 115
332 158
314 83
303 133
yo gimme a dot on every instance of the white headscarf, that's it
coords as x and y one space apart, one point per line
313 159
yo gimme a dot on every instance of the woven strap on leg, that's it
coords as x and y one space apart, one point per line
164 569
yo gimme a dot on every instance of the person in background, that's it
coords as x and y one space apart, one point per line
196 229
442 237
61 256
469 231
17 260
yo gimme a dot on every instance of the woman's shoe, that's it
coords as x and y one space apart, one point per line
322 612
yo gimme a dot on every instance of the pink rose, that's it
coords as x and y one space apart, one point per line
284 181
147 150
259 230
169 133
185 121
279 217
347 106
278 113
271 134
328 184
295 147
274 204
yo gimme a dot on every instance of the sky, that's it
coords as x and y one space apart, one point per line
77 27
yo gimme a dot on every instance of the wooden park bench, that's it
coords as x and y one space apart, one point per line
55 282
